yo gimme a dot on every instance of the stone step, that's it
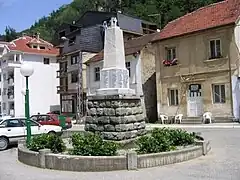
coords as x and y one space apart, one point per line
192 121
198 120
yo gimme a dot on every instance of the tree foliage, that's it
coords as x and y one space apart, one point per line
158 11
10 34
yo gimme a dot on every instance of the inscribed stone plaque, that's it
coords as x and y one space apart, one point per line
105 79
114 78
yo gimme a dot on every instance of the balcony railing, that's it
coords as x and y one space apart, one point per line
10 82
10 62
10 97
61 89
72 67
14 62
61 58
61 73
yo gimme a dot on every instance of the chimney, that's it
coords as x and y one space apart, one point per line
24 35
38 34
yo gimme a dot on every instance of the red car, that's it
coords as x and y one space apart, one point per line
51 119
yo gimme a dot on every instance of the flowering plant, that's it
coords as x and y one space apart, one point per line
170 62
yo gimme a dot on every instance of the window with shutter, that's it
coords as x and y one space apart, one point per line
97 73
173 97
215 49
218 93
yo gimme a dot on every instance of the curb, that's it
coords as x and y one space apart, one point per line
195 126
150 126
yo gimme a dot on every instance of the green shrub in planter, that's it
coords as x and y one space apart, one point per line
164 139
47 141
181 137
92 145
156 144
178 137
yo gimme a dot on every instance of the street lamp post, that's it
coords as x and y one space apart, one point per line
27 70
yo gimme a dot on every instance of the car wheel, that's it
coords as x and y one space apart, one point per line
3 143
52 133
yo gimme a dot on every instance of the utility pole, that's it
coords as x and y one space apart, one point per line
80 90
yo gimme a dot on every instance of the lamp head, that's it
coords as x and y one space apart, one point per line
26 69
64 38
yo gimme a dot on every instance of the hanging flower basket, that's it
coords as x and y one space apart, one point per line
170 62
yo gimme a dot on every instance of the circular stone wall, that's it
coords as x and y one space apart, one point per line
45 159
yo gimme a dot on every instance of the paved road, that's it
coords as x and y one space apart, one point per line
188 126
221 164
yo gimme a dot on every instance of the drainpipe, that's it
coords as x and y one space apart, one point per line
80 89
230 80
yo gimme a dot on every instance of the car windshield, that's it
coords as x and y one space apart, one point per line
33 123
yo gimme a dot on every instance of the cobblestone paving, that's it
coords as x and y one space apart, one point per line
221 164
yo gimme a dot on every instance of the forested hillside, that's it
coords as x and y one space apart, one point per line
158 11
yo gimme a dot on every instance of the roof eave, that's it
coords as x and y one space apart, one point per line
17 51
184 34
132 32
41 54
92 61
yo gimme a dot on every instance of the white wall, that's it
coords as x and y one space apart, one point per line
134 81
42 85
4 85
236 96
237 39
85 56
235 80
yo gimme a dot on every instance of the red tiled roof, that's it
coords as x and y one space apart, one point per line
131 46
214 15
22 44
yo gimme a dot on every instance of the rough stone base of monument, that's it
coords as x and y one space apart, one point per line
115 117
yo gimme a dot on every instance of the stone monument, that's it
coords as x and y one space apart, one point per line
115 111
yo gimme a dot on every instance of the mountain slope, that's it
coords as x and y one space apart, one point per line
158 11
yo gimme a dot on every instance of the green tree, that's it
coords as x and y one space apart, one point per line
10 34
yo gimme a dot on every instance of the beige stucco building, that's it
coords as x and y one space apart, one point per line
197 63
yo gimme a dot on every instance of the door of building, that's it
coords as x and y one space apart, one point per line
194 100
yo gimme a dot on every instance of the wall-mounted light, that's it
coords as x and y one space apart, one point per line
64 38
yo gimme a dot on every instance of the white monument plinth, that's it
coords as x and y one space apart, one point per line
114 77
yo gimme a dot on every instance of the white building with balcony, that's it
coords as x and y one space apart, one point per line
42 84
